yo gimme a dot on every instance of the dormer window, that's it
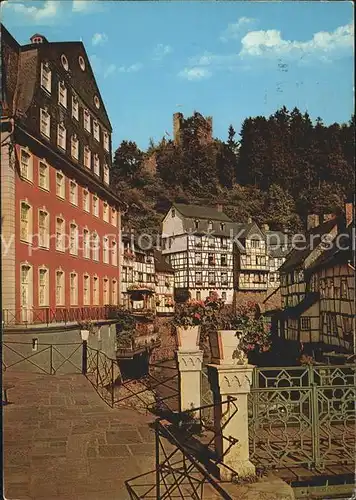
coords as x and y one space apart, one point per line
97 101
96 164
96 130
75 107
45 122
106 174
210 225
106 140
196 223
81 63
87 120
46 77
62 94
61 136
64 62
75 147
87 157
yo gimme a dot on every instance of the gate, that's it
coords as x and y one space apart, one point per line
302 416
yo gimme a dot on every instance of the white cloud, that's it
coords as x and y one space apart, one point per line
234 30
161 51
100 67
87 6
130 69
99 39
110 70
322 45
195 73
43 15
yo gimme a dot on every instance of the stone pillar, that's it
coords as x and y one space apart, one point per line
231 419
189 364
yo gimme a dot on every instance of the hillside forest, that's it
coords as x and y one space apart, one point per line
276 171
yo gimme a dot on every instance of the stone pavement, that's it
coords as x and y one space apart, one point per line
61 441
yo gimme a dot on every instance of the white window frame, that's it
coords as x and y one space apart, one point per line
73 238
96 130
45 118
96 164
86 292
96 290
87 157
46 84
43 287
26 230
114 253
95 246
106 250
86 200
27 172
86 120
113 216
106 291
62 94
86 243
60 301
73 289
105 212
114 292
61 192
95 205
61 138
45 186
43 232
106 175
73 196
74 146
60 247
106 141
75 107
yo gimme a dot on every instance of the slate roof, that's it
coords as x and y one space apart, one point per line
161 265
199 212
298 256
340 251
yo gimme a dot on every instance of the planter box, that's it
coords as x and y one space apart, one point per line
188 338
224 345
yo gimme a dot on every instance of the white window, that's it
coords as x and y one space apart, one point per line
43 175
105 212
86 244
73 237
62 94
86 290
61 136
75 107
73 192
113 253
73 282
87 157
60 234
45 122
95 291
114 292
106 291
86 200
46 77
95 206
86 116
43 287
106 250
106 174
43 228
75 147
96 164
113 217
60 185
106 140
26 288
60 288
95 246
26 163
26 222
96 130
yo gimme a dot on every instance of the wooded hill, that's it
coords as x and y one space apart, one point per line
282 168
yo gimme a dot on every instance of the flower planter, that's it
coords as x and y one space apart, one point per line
224 347
188 337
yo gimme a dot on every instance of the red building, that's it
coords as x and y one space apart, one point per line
60 218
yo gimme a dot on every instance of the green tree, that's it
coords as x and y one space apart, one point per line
127 161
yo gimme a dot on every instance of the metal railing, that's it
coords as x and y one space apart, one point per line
50 315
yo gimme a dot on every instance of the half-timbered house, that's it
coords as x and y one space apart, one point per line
164 285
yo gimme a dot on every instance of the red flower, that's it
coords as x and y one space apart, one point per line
197 315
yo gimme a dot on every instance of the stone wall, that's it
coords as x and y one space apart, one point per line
163 324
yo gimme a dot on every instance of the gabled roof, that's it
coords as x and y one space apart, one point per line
297 256
200 212
161 265
247 230
294 312
341 251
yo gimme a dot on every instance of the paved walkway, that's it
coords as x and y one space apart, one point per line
61 441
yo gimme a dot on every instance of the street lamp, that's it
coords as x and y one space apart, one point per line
85 335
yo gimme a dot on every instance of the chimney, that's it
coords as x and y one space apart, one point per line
219 207
177 125
349 213
327 217
265 227
312 221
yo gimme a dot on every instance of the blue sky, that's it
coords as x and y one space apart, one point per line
229 60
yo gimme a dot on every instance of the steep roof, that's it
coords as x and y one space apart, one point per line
161 265
341 251
294 312
199 212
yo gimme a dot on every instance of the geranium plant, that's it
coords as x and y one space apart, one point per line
190 313
254 334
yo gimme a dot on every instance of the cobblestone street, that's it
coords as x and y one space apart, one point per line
61 441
